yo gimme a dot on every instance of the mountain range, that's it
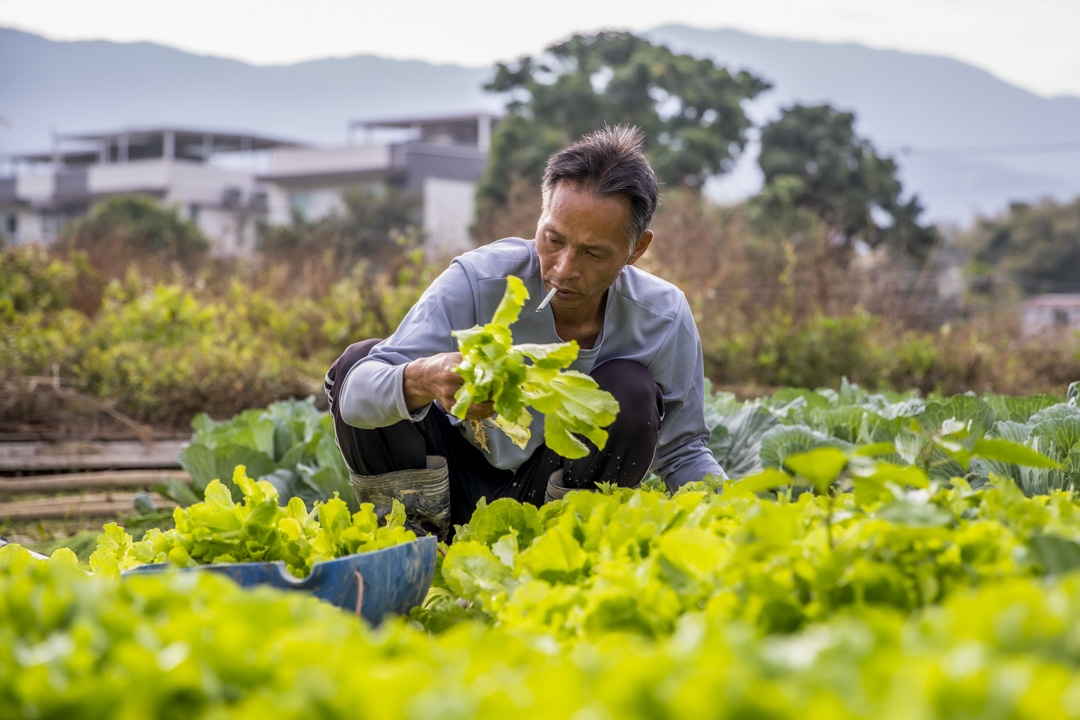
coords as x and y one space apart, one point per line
967 143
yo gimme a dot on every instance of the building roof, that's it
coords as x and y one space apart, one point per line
1055 300
257 142
413 121
221 141
75 157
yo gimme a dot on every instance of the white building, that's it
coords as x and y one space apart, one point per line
1056 313
440 158
225 182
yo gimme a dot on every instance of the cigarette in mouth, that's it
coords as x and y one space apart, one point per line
544 303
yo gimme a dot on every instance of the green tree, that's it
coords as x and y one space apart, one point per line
377 226
689 109
136 225
813 160
1036 247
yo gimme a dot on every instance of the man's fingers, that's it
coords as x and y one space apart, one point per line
479 411
453 382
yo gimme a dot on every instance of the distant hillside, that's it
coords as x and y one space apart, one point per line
901 100
89 86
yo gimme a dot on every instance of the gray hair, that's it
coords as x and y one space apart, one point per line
608 163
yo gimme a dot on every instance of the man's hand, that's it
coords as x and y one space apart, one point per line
433 378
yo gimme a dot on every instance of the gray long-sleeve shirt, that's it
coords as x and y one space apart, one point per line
647 320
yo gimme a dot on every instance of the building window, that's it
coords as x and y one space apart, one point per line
231 197
260 201
1061 317
300 204
51 222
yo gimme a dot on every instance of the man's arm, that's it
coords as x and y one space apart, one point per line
414 366
682 452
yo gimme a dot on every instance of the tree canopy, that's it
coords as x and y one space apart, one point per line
136 224
812 159
1036 247
690 109
376 226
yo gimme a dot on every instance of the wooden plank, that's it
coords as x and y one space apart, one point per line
94 505
101 480
82 455
6 437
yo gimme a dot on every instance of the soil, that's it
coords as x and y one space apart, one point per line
50 412
46 411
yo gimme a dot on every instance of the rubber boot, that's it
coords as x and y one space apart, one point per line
555 489
425 493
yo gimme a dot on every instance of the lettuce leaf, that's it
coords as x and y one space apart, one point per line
517 377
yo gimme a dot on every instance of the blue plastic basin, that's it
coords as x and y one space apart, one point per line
395 579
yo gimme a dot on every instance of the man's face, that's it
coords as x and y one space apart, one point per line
582 244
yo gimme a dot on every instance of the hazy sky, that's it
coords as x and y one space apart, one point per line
1031 43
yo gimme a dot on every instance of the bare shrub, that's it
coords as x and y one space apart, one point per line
516 218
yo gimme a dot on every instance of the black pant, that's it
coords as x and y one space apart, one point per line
404 445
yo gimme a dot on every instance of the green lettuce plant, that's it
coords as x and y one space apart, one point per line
517 377
256 529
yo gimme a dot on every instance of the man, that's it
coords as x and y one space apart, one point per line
637 336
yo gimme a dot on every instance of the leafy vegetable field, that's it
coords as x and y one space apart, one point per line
873 556
291 444
940 435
